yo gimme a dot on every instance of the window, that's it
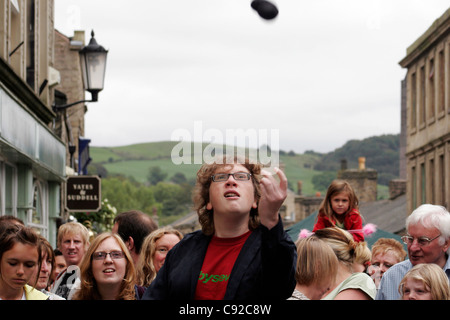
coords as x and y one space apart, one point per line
423 186
441 185
441 82
431 90
8 189
413 188
432 182
31 66
16 47
422 97
413 101
37 216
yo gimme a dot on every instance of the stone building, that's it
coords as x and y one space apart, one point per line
38 146
32 157
363 180
69 123
427 94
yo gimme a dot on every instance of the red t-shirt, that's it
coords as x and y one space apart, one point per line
219 261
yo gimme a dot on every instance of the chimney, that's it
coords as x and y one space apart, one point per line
343 164
299 187
362 163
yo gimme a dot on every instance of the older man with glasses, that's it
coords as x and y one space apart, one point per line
428 241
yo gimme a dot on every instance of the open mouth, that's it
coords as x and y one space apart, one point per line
231 194
109 270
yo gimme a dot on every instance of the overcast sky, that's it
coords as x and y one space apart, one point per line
322 73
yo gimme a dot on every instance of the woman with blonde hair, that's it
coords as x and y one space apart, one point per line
153 254
316 269
425 281
349 284
107 271
362 259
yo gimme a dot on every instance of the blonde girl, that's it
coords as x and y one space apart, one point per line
425 281
153 253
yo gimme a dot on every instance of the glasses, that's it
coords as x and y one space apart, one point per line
239 176
113 254
422 241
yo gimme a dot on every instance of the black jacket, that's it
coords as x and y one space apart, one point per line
264 269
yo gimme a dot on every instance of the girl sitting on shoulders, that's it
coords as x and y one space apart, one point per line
340 209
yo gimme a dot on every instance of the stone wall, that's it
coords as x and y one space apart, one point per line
364 182
397 187
305 206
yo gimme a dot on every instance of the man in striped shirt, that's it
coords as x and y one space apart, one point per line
428 241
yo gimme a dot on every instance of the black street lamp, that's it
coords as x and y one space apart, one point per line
93 67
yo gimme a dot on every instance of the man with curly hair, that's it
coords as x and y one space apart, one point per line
242 251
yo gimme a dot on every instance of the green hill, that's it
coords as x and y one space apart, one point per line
381 152
136 160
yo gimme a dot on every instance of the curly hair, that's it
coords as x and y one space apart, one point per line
384 245
88 289
145 268
201 192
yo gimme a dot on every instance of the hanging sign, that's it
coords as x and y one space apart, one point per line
83 193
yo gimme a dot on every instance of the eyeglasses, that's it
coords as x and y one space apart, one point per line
101 255
239 176
422 241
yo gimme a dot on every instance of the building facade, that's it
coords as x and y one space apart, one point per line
69 123
32 157
428 116
39 147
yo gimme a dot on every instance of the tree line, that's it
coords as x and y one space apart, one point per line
167 200
381 152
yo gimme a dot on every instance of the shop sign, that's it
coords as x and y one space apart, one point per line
83 193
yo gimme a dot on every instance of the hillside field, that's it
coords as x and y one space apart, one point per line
136 160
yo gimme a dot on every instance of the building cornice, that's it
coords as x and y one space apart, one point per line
431 145
435 32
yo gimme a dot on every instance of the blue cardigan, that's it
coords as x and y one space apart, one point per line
264 269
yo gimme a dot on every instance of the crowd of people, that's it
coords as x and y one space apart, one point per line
242 251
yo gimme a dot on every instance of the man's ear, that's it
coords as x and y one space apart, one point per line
130 244
446 245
